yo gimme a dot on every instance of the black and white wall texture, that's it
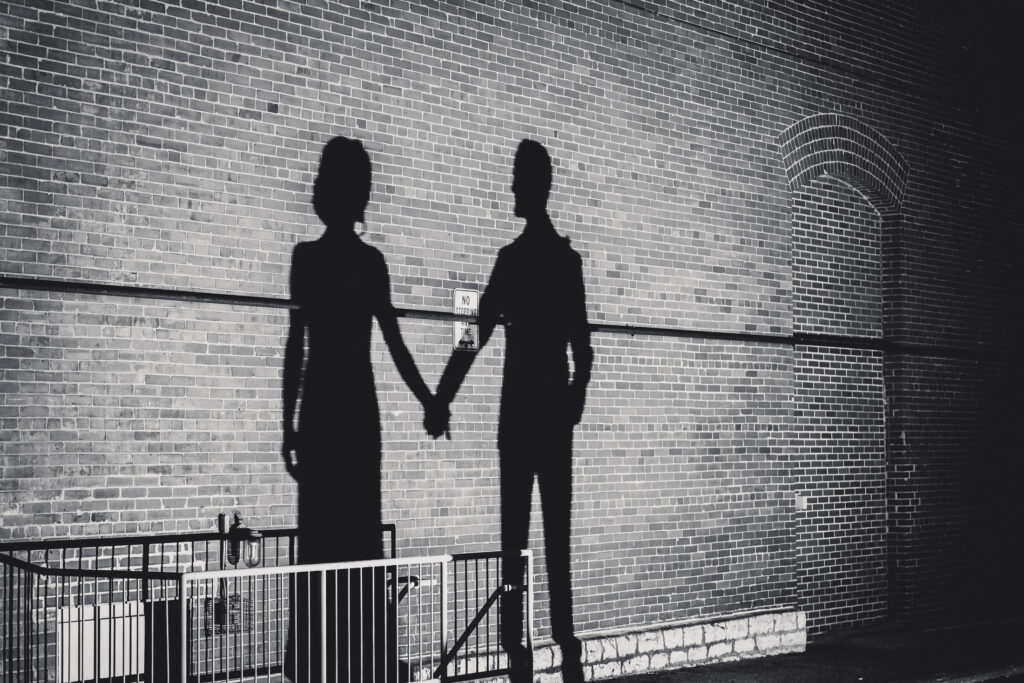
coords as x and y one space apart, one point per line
799 225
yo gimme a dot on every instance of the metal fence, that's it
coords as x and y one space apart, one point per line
166 608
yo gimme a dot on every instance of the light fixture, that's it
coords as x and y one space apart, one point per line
244 544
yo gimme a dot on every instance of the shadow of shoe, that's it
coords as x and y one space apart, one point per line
572 668
518 665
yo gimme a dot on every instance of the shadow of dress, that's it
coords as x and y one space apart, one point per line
338 284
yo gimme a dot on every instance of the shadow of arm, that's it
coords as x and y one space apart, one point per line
579 342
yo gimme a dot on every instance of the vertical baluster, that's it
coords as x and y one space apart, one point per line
45 660
36 646
96 618
210 630
280 622
419 629
408 625
183 624
309 632
245 598
373 625
226 640
81 619
529 613
265 611
4 637
443 599
111 622
476 609
323 622
491 664
362 623
337 625
238 625
133 644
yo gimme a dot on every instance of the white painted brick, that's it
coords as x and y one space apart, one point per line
659 661
794 639
719 650
673 639
762 624
693 635
635 665
696 654
785 622
744 645
592 651
677 657
651 642
714 633
610 650
607 670
736 629
549 678
801 620
768 642
626 645
542 658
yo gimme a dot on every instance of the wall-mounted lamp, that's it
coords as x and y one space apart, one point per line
244 544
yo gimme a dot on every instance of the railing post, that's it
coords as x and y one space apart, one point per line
444 619
183 616
529 613
323 625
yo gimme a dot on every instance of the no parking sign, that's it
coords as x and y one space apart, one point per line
464 332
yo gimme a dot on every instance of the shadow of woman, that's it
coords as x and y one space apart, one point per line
338 284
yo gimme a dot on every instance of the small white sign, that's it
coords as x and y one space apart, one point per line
465 334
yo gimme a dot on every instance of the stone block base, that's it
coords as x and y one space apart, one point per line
681 645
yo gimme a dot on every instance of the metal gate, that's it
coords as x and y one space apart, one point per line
165 608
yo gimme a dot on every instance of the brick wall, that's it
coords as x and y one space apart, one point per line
954 485
172 145
837 449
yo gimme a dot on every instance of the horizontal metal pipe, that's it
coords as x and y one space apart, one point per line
88 573
312 568
486 554
120 541
884 344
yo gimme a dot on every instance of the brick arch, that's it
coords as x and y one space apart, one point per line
845 147
841 224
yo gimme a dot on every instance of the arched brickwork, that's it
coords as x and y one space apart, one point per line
843 146
847 184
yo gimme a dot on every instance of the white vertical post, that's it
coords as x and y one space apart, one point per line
444 618
323 625
183 616
529 612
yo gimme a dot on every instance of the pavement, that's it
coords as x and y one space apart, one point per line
886 652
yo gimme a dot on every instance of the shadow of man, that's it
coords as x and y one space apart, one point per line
536 291
338 284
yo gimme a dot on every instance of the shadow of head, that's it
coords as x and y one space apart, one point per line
531 179
341 190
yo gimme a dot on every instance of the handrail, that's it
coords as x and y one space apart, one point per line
152 539
191 576
88 573
147 542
